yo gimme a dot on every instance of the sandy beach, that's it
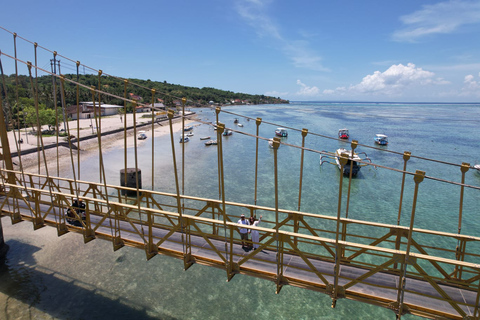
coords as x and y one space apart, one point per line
90 146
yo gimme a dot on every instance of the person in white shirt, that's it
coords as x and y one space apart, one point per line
255 233
243 231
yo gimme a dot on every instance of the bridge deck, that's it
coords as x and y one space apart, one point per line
381 286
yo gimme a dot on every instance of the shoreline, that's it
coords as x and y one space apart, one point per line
88 147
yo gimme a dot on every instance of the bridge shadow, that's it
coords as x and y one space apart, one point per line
56 294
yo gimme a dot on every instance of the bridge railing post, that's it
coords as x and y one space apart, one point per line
118 212
188 260
418 178
231 267
258 122
295 216
88 232
334 294
461 245
151 249
398 237
170 115
279 255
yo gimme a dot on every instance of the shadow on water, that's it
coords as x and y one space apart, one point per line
56 294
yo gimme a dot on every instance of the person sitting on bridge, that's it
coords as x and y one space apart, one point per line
71 212
243 231
81 209
78 207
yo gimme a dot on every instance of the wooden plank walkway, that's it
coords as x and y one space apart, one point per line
381 286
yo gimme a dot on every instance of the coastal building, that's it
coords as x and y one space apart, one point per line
86 110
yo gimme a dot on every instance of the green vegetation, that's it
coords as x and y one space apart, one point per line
23 112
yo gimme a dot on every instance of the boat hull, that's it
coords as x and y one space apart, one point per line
351 165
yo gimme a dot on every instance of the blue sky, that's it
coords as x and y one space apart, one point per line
409 50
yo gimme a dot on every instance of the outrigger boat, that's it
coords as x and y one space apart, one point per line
477 166
381 139
205 138
271 141
211 142
281 132
184 140
188 128
353 164
343 134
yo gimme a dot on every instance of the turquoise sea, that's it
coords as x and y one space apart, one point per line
66 279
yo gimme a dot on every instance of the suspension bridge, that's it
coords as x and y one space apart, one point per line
401 267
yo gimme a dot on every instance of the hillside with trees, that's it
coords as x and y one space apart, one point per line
22 112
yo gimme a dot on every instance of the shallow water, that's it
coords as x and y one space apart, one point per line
46 276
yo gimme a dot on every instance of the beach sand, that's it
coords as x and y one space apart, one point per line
88 147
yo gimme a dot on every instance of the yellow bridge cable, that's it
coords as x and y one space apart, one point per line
340 140
294 129
167 94
332 155
82 85
177 97
83 65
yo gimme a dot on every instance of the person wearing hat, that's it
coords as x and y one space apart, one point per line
243 231
81 208
71 211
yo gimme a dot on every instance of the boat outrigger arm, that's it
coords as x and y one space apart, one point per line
330 157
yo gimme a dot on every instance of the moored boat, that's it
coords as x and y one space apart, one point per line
186 139
227 132
211 142
270 143
142 135
381 139
188 128
354 161
343 134
281 132
205 138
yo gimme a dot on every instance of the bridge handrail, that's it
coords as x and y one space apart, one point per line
268 230
249 206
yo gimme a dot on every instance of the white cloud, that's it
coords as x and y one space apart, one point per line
440 18
254 13
398 80
307 91
471 86
395 79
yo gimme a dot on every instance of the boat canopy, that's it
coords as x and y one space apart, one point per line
343 133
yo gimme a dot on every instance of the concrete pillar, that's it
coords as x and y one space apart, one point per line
3 245
129 179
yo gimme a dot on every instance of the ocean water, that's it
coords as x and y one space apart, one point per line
46 276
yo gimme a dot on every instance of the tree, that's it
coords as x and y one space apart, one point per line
45 116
